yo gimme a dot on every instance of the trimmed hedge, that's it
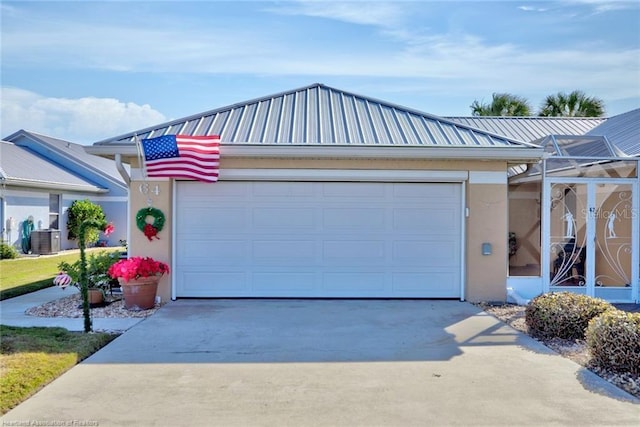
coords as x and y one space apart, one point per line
613 339
563 314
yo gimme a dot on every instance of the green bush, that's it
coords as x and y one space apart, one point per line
97 266
563 314
82 210
613 339
7 251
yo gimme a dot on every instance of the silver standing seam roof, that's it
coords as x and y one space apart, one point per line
623 131
531 128
20 165
74 153
321 115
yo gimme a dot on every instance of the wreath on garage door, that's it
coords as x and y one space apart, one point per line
150 230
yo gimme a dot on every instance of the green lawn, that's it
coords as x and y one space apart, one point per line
23 275
30 358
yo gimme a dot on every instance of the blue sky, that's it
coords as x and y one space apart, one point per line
85 71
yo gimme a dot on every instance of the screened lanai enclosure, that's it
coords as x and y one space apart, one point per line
574 221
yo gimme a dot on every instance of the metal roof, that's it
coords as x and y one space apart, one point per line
531 128
74 152
623 131
321 115
21 166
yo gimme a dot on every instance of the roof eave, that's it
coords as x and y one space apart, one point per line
512 154
32 183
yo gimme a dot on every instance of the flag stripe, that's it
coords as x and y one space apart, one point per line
183 156
195 162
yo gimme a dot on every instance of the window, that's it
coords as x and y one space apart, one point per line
54 211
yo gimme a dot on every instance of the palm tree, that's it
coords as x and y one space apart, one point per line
575 104
502 104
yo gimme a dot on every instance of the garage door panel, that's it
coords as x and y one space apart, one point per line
414 252
266 190
269 218
204 284
351 191
284 251
441 193
232 190
354 283
284 283
318 239
349 218
207 220
443 283
220 252
427 220
358 252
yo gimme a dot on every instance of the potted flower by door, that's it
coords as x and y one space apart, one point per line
138 277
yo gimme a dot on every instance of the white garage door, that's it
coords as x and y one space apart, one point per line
318 239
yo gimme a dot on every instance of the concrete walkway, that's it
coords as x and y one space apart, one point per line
326 363
12 313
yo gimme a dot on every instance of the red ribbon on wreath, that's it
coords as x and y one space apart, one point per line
150 231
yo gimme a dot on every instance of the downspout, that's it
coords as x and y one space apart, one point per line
516 298
123 172
127 179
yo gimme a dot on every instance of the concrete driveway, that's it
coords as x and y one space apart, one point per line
326 362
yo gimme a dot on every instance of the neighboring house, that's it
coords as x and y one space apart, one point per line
42 176
325 193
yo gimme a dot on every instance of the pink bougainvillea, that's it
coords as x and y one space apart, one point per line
136 267
108 229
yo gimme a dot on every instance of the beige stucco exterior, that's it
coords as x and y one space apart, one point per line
487 205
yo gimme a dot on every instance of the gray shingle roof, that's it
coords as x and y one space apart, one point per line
321 115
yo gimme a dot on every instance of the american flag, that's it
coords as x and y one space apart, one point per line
182 156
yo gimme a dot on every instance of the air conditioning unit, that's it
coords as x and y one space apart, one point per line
45 242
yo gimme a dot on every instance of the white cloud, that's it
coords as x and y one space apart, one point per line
603 6
532 9
82 120
377 13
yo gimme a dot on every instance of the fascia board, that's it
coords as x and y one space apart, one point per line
77 161
53 186
512 154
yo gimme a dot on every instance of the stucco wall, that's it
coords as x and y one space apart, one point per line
487 221
160 248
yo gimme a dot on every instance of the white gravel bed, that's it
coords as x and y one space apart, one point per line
71 306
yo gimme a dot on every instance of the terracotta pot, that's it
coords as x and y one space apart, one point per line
95 296
140 294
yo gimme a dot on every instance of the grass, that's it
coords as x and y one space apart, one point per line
30 358
23 275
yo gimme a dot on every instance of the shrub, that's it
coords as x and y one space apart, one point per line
563 314
97 267
82 210
613 339
7 251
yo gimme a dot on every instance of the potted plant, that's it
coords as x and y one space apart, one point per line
138 277
63 280
98 281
